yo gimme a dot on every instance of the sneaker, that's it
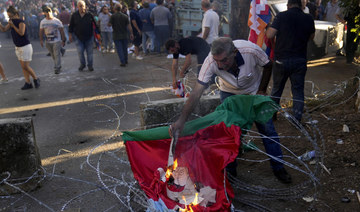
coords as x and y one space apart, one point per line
282 176
139 57
62 50
122 65
90 68
104 51
27 86
112 51
57 71
4 81
48 54
37 83
81 68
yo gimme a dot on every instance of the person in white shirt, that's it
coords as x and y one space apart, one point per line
330 11
55 36
210 23
237 63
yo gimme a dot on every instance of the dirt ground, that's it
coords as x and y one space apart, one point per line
331 187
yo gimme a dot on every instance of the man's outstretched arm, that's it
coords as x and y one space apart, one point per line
188 108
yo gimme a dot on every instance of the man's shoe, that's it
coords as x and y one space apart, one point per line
81 68
27 86
37 83
62 51
122 65
48 54
91 68
282 175
57 71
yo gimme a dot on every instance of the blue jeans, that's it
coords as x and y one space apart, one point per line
87 46
106 38
269 138
66 31
162 33
121 49
295 69
151 36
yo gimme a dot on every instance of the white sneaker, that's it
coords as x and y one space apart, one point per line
139 57
104 51
112 51
3 81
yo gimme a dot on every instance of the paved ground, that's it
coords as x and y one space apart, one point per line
74 112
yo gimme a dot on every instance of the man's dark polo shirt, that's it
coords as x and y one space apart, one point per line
192 45
294 28
119 22
82 27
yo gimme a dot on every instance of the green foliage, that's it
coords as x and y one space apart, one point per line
351 8
357 27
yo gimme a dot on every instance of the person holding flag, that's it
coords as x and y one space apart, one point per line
236 64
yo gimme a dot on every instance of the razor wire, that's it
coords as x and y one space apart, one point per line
133 192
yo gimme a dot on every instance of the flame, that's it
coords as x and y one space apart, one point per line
175 165
183 197
188 208
170 169
195 202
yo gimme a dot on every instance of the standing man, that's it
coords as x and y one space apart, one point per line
120 24
161 18
136 25
237 64
330 11
64 17
187 47
55 36
81 31
147 29
106 30
210 23
292 29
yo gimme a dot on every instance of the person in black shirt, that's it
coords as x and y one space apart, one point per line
293 29
23 47
187 47
81 31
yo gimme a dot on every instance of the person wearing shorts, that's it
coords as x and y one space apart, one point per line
23 48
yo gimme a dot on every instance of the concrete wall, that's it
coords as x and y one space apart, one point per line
164 112
18 154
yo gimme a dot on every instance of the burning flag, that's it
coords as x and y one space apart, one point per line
259 17
196 182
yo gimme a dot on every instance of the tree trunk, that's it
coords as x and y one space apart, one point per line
239 19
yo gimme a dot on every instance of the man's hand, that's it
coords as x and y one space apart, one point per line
70 38
261 93
174 84
176 128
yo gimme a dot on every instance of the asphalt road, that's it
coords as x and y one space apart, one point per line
75 113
